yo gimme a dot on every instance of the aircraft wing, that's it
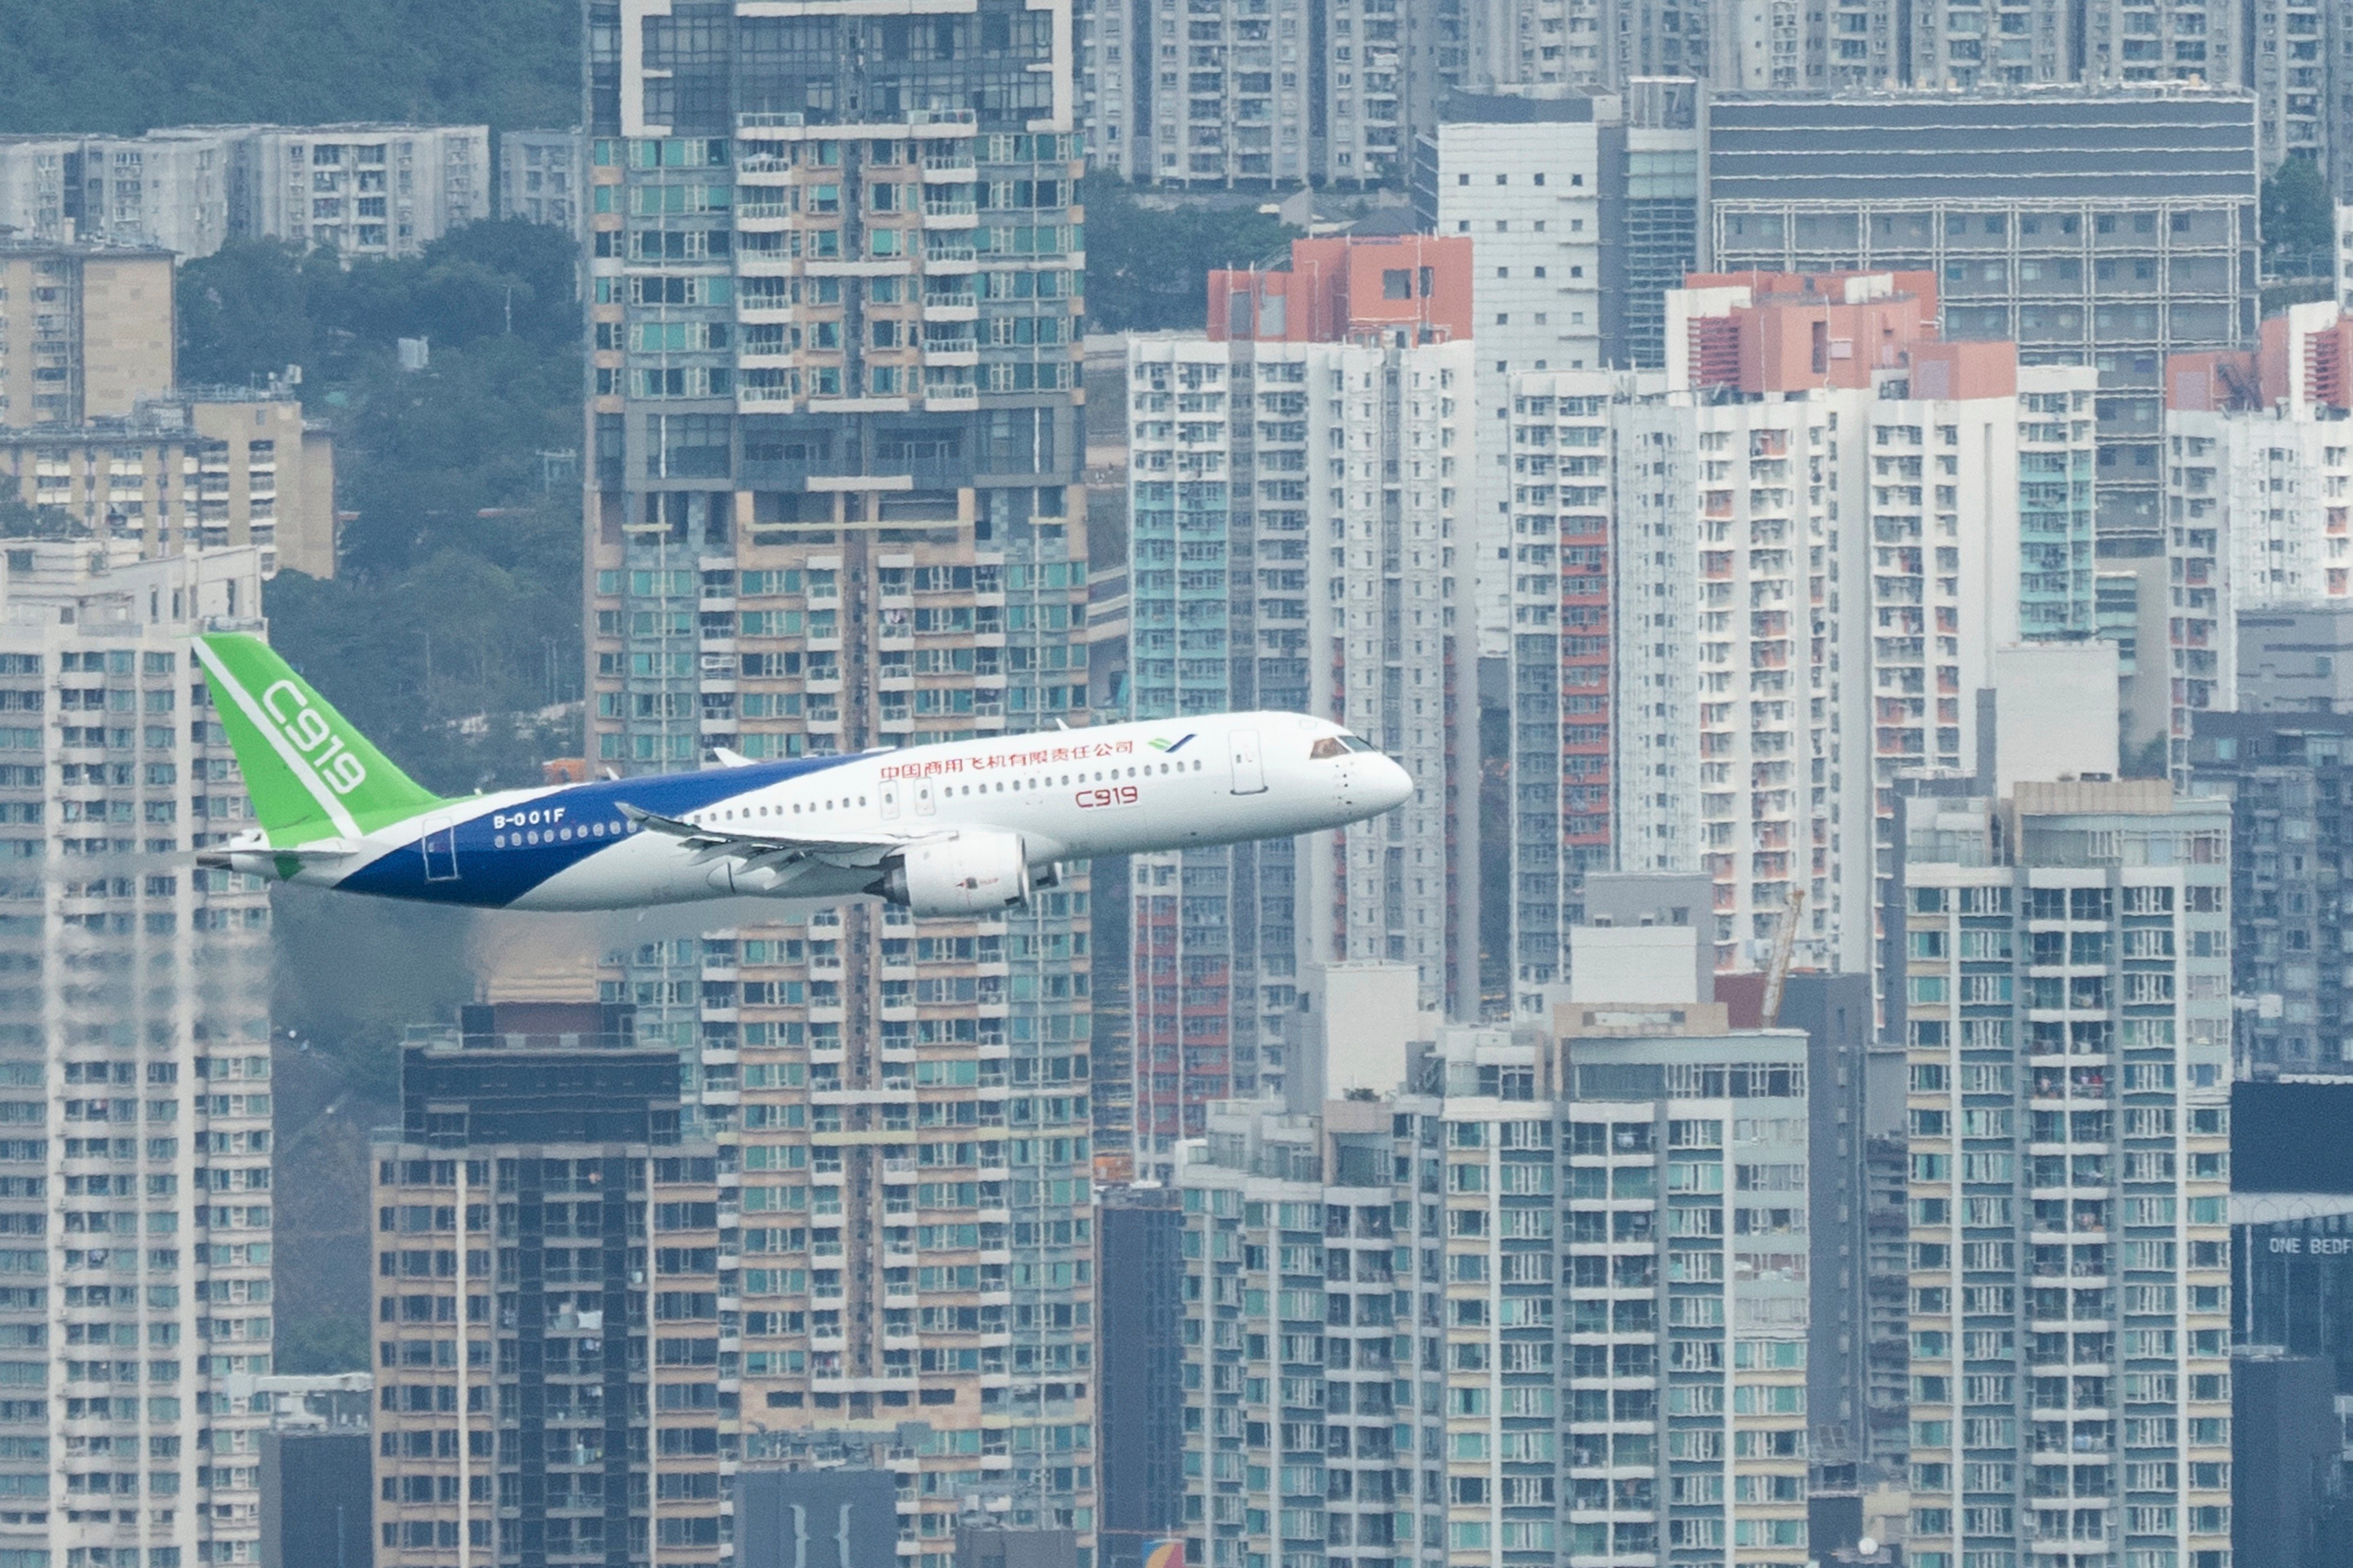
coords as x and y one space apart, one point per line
771 849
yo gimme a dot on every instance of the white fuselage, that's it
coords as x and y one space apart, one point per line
1067 795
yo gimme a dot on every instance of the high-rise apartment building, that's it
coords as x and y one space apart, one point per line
1289 1375
2109 228
2284 774
1584 212
556 1379
134 1042
97 438
2294 61
1577 1334
360 190
2259 491
167 190
2066 1011
1742 598
87 335
834 294
543 177
224 467
363 190
1299 482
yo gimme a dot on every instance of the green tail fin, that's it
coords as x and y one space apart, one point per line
311 776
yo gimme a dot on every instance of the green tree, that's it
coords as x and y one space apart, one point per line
453 620
2299 218
245 312
1148 267
126 66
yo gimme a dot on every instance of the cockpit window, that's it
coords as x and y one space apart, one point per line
1329 746
1353 744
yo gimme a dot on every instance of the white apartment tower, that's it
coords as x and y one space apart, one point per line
134 1053
1740 608
543 177
1547 1301
2258 495
1296 512
1523 184
2065 1006
359 190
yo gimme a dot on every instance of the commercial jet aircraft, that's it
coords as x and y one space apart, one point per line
956 828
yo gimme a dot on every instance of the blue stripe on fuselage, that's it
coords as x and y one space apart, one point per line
492 878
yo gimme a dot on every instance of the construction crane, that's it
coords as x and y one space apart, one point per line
1777 972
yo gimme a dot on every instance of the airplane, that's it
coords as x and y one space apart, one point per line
961 827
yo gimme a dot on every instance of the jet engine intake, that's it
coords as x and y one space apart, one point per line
968 874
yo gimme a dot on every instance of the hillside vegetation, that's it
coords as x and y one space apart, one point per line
126 66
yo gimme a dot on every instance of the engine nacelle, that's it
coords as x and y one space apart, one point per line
970 874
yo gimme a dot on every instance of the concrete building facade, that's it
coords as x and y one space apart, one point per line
2259 490
544 178
2109 228
360 190
219 469
2065 1007
134 1040
167 190
89 335
1298 486
550 1381
2282 774
833 504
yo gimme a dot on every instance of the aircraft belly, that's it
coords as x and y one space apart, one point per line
642 870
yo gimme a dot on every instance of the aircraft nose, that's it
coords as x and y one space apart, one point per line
1390 786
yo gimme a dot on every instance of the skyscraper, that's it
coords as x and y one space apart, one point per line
834 294
1743 599
2133 239
2257 465
2284 774
1299 486
1581 1330
2066 1010
134 1046
550 1383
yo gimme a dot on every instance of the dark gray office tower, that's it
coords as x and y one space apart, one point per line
2291 1320
840 1516
551 1387
2286 774
1141 1441
2287 1455
1857 1097
2109 228
316 1487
